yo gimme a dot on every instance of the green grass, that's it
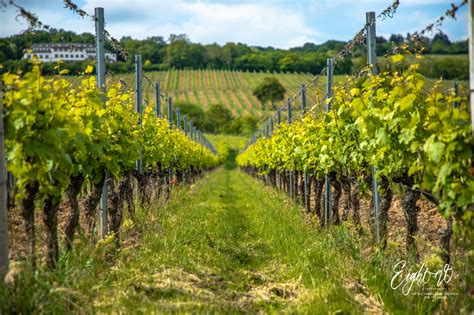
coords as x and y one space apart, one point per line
227 247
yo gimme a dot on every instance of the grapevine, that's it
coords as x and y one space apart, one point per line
59 137
412 134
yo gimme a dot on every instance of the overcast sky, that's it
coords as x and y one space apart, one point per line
278 23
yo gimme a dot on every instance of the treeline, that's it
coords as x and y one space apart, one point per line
217 119
180 53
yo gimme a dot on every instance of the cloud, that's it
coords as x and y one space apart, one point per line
49 12
277 23
263 24
388 2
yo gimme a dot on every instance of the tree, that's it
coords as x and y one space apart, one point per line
177 51
194 112
270 89
442 37
216 57
291 62
440 44
218 119
396 38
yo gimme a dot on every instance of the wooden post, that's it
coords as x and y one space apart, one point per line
3 202
100 69
372 60
327 184
470 24
157 100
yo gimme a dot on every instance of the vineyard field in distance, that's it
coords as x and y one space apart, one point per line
232 89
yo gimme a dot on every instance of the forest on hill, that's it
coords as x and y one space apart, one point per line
178 52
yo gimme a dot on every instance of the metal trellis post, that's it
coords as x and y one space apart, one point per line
288 107
305 186
372 60
170 112
305 173
455 87
3 202
157 100
280 183
185 118
303 97
170 121
100 61
178 119
470 24
138 103
327 184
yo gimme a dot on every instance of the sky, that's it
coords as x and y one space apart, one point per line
276 23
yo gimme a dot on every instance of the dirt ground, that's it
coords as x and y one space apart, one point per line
431 223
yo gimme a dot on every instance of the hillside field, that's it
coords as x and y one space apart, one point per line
233 89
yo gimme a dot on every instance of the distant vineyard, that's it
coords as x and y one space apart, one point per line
233 89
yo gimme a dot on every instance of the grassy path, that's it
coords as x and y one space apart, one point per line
225 246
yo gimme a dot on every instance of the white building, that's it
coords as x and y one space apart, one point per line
67 52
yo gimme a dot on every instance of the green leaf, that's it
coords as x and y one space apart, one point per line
407 102
434 150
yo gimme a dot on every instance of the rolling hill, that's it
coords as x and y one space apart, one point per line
233 89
